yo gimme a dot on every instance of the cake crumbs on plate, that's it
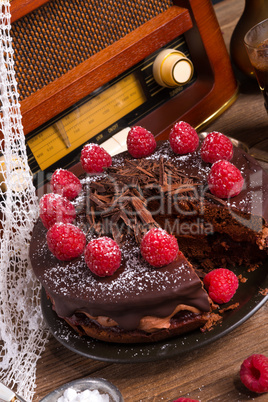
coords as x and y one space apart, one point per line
231 307
212 321
264 292
253 267
242 279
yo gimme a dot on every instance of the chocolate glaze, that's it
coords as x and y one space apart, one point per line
136 289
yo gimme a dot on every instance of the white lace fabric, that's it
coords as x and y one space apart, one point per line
23 334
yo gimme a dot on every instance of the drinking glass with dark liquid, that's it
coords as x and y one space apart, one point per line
256 42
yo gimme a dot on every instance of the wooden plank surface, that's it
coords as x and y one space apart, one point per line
212 372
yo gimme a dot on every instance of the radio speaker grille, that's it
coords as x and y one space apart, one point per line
60 35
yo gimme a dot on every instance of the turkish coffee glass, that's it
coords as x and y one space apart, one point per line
256 43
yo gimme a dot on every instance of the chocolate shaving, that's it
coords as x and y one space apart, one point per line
144 214
98 186
125 218
120 197
97 200
162 173
212 197
144 171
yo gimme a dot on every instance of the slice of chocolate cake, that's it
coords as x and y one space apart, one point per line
139 302
135 304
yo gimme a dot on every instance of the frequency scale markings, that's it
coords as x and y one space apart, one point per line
87 120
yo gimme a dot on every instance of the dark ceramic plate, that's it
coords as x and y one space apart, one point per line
248 295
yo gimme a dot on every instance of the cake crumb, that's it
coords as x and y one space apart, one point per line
253 267
264 292
212 321
242 279
231 307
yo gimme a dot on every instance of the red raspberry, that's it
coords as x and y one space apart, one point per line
140 142
55 208
94 158
159 248
65 241
103 256
254 373
225 180
65 183
186 400
216 146
221 284
183 138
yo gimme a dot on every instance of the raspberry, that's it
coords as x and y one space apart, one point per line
65 183
221 284
183 138
186 400
140 142
65 241
94 158
254 373
103 256
159 248
225 180
55 208
216 146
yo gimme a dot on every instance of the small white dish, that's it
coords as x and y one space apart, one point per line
102 385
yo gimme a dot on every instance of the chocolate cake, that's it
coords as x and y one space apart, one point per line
140 303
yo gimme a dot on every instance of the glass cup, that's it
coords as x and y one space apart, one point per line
256 43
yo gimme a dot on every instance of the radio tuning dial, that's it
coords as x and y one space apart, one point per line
172 68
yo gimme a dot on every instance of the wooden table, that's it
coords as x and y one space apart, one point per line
210 373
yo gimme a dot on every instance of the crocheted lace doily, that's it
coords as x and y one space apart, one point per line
22 331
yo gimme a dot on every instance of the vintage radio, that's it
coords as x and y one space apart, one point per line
88 70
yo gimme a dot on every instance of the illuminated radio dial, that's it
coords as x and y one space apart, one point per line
172 68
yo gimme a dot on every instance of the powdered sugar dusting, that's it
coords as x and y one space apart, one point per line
135 279
193 160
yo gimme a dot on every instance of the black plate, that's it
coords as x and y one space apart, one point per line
248 295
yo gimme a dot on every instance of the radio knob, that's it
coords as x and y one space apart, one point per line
172 68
